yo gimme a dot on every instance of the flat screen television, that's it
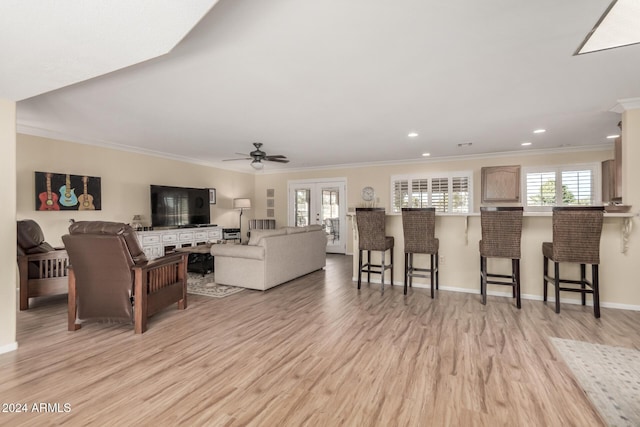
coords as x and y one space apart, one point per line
179 206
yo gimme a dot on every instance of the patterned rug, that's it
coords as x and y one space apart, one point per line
199 285
609 375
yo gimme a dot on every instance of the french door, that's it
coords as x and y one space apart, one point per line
323 203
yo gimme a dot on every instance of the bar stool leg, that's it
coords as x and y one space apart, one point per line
480 274
583 279
382 269
437 271
513 278
544 277
556 279
516 287
359 267
432 278
391 278
406 271
369 267
596 290
483 279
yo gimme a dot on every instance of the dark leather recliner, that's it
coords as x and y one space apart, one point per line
42 268
110 278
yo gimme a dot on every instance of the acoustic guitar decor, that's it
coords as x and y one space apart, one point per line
66 199
68 194
86 199
48 199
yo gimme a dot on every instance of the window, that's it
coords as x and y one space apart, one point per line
567 185
448 193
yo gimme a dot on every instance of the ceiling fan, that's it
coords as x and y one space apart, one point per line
257 156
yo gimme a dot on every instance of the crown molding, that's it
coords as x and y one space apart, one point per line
431 160
626 104
45 133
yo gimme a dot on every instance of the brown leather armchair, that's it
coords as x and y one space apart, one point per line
42 268
110 278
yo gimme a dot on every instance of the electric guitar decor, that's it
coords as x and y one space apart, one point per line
67 194
86 199
48 199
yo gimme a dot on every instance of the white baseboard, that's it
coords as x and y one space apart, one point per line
508 295
9 347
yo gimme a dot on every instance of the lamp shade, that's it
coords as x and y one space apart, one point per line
241 203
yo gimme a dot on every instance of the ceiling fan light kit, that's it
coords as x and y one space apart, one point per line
257 165
257 156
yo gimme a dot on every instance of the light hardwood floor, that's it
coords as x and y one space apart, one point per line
314 351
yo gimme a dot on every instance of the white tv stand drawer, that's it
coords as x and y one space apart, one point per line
156 243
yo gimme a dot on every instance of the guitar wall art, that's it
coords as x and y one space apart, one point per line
65 192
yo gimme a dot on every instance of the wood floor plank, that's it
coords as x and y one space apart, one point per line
314 351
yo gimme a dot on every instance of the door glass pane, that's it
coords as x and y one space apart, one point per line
303 197
330 212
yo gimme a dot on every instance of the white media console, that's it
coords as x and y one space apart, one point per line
157 243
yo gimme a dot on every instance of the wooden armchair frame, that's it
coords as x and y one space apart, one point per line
157 284
52 275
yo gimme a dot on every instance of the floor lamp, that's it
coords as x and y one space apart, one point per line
241 204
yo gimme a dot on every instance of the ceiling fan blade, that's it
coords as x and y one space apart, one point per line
276 156
243 158
277 160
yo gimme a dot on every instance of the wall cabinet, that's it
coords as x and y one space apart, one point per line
500 184
157 243
612 175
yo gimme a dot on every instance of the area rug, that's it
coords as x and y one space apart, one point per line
205 285
610 376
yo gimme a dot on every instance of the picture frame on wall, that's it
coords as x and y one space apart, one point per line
212 196
66 192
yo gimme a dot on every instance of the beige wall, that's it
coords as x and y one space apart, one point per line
8 224
125 179
460 249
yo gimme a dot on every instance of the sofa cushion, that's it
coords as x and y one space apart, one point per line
294 230
314 227
238 251
258 235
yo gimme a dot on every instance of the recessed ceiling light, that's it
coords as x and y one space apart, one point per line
613 136
539 131
426 154
524 144
465 144
412 135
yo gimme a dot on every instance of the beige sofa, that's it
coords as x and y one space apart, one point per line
272 257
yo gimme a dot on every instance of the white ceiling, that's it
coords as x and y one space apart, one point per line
335 82
49 44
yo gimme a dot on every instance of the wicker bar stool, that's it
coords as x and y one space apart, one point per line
576 239
419 225
501 235
371 237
